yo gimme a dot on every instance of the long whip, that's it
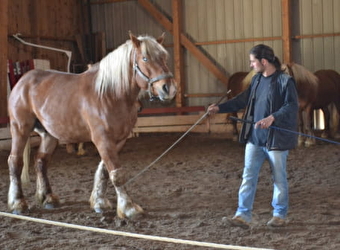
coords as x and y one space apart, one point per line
176 142
287 130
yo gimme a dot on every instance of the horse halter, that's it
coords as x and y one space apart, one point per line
147 79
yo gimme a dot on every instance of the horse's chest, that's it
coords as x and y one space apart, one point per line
122 123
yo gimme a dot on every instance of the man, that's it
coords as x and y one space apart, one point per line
271 99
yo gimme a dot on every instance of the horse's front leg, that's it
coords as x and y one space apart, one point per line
98 200
44 194
126 208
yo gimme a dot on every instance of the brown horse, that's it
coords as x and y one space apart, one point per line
307 89
238 82
328 92
97 105
306 83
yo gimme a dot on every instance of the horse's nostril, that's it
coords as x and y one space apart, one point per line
166 88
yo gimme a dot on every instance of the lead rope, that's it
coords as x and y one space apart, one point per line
174 144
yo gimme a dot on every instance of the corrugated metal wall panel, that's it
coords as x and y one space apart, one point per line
116 19
320 17
218 20
207 21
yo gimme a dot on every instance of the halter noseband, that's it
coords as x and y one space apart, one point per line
147 79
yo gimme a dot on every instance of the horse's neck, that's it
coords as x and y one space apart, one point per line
127 101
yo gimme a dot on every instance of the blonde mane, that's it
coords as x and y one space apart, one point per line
153 50
113 73
300 73
114 70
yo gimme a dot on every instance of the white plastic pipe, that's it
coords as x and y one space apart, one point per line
67 52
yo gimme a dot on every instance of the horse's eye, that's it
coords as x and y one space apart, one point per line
145 59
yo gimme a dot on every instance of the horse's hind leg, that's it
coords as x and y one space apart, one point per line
20 133
44 193
307 123
234 124
327 119
16 201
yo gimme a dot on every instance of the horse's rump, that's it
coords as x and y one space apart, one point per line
328 88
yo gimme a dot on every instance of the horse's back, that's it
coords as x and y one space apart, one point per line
39 85
328 87
236 84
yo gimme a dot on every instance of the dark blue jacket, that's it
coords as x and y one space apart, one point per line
284 107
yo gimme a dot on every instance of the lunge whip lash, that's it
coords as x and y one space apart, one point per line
286 130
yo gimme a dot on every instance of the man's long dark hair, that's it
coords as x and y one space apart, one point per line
262 51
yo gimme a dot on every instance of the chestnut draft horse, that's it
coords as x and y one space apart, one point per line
97 105
238 82
307 84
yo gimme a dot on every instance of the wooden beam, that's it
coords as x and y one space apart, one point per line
317 35
204 95
286 31
168 110
178 51
3 57
108 1
246 40
163 20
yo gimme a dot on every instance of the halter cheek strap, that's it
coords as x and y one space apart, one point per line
147 79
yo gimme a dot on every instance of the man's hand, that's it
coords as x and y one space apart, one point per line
265 122
213 109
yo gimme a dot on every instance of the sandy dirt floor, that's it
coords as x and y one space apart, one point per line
185 195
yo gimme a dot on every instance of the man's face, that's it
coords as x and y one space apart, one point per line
256 64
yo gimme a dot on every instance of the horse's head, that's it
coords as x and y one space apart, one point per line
287 69
150 67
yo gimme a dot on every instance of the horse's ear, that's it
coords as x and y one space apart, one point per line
161 38
134 40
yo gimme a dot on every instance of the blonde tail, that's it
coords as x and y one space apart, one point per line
25 177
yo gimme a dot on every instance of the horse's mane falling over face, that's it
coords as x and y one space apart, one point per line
114 70
151 49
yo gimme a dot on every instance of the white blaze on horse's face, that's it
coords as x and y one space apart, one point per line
151 70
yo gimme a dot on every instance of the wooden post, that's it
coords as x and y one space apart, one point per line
286 31
3 57
178 51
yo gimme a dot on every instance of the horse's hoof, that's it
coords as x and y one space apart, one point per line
20 212
49 206
98 210
16 212
134 212
51 202
18 207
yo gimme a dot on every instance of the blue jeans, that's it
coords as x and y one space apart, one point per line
254 159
